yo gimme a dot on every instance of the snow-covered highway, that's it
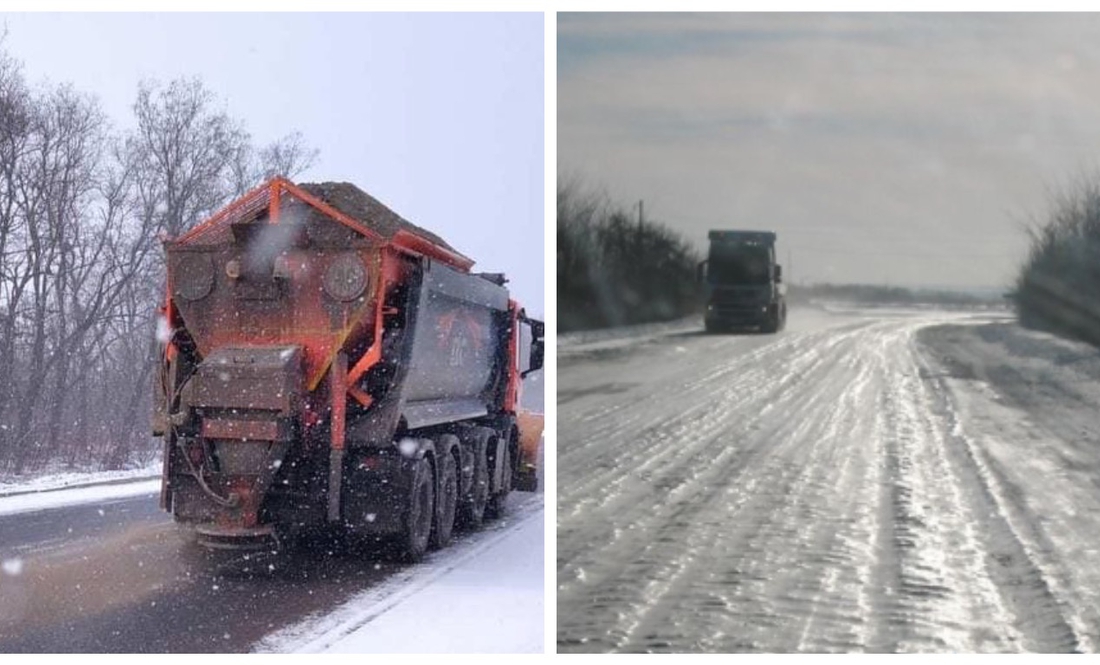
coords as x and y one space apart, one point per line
882 481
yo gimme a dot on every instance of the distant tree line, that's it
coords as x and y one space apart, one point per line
1058 286
81 272
615 268
870 294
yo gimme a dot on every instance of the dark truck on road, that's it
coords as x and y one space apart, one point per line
743 282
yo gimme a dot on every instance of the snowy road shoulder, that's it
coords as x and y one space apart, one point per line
483 594
575 344
46 500
10 486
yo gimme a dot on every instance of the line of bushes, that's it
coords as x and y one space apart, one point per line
1058 286
615 269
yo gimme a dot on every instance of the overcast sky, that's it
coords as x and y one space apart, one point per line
439 116
906 149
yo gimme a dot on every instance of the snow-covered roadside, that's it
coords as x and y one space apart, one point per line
1024 404
70 479
589 340
484 594
45 500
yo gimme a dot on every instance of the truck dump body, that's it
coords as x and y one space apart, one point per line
316 333
461 321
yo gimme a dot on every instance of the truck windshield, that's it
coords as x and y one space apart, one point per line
739 264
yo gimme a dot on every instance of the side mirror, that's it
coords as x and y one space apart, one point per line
538 346
778 273
701 272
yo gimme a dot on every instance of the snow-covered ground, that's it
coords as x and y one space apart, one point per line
606 338
33 500
481 595
63 479
840 486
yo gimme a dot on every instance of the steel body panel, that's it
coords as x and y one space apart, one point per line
457 343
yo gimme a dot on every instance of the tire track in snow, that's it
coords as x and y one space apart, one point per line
806 495
782 398
655 463
1014 543
939 591
702 404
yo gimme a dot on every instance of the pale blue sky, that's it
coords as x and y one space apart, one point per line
899 148
440 116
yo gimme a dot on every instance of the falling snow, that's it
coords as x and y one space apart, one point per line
408 447
164 330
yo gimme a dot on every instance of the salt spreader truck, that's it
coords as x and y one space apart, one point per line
327 364
744 284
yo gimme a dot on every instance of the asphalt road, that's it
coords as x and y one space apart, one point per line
112 577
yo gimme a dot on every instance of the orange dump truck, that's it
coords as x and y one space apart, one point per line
327 364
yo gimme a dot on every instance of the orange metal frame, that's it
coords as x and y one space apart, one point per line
511 394
270 195
374 352
251 201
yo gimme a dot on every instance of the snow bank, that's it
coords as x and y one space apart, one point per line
605 338
484 594
19 485
44 500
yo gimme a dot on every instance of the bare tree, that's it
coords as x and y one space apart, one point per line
80 268
190 148
15 135
288 157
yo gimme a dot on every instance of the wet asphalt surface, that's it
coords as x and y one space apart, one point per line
115 577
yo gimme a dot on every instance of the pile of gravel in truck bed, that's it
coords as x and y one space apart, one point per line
354 202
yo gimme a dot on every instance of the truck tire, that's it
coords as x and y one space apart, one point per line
417 524
498 501
476 497
527 482
446 504
771 326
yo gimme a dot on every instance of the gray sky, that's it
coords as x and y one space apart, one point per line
439 116
907 149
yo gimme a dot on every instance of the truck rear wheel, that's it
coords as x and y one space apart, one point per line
446 503
418 517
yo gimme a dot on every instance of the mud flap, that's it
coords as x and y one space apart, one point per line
496 483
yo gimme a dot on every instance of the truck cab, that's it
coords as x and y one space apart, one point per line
743 283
